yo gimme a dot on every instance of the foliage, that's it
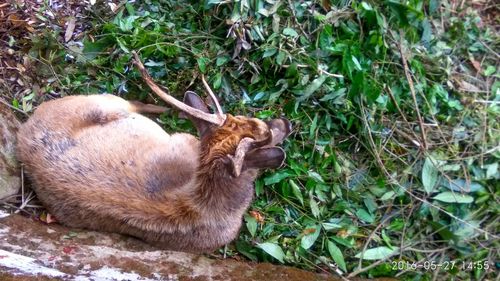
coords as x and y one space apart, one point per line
394 154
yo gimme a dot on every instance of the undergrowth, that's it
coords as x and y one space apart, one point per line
392 166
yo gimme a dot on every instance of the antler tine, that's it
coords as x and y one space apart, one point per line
212 118
212 95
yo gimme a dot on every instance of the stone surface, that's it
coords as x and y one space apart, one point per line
32 250
10 181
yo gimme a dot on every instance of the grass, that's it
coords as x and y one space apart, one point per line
393 161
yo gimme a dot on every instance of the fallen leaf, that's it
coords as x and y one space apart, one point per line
468 87
69 29
257 216
309 231
476 65
15 20
343 233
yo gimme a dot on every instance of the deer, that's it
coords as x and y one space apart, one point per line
97 162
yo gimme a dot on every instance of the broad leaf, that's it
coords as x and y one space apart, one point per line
296 191
453 197
337 255
276 177
363 215
378 253
314 207
273 249
308 240
251 224
461 185
429 175
312 88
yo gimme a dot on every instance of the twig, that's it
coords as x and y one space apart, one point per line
488 102
331 74
427 251
412 90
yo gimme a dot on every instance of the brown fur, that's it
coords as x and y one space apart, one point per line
98 164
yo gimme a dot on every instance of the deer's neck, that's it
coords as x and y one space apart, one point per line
218 193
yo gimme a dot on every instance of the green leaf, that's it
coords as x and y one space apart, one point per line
314 125
315 176
202 63
251 224
349 243
296 191
356 63
370 204
453 197
378 253
277 177
246 249
290 32
222 60
429 175
461 185
330 225
122 45
308 240
314 207
273 250
311 88
388 195
217 81
386 239
269 52
490 69
336 255
442 230
280 58
365 216
366 6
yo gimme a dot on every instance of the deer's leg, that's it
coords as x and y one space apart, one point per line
139 107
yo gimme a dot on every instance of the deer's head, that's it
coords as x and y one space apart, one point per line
238 141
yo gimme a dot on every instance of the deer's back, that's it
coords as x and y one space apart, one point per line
93 159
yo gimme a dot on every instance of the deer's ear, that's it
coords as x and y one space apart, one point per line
280 129
193 100
264 158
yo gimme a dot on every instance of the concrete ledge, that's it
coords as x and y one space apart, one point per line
32 250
